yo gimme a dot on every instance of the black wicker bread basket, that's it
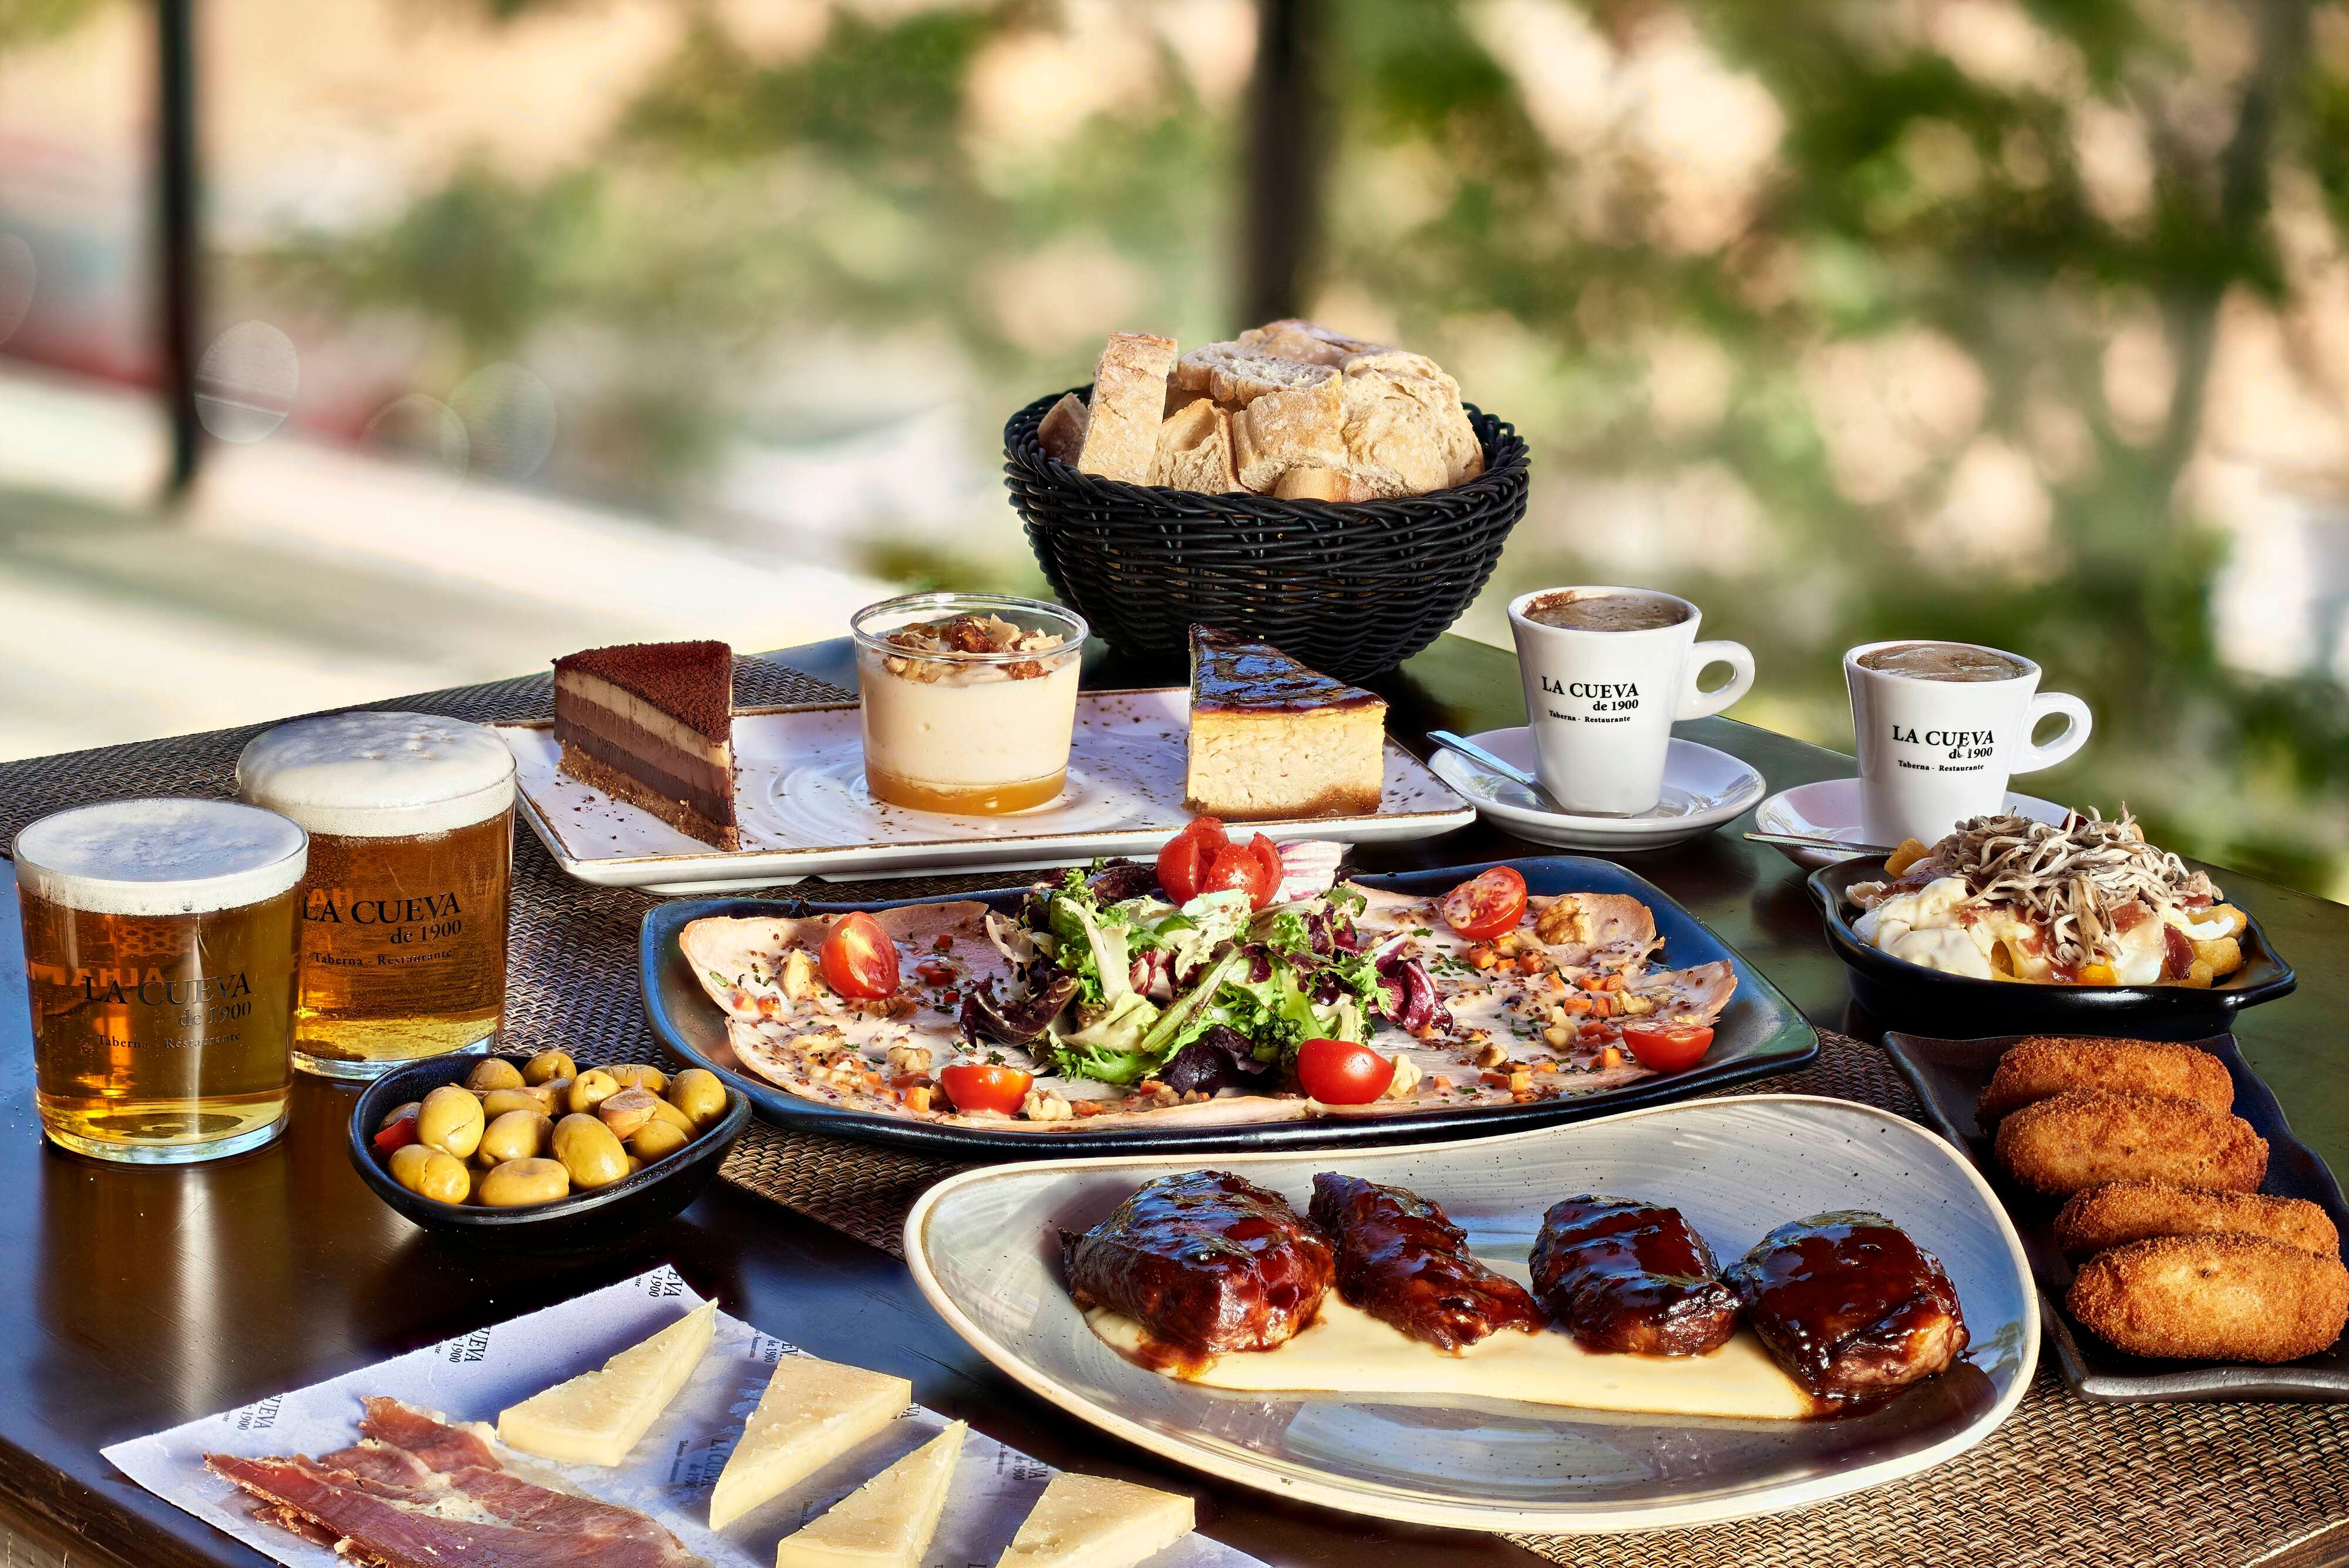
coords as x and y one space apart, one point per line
1351 588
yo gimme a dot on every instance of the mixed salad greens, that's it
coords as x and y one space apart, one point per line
1119 983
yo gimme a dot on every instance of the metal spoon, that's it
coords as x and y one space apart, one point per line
1809 841
1493 764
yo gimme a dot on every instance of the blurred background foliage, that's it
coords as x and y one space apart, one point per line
2020 321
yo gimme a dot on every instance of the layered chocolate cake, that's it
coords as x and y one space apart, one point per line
652 723
1272 737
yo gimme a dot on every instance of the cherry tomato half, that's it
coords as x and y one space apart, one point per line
1487 904
1667 1047
1337 1074
985 1086
859 960
1182 864
1253 868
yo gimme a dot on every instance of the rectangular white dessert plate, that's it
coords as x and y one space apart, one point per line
804 811
985 1248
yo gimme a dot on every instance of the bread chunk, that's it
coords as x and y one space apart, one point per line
2047 1065
2220 1298
1194 450
1404 425
1232 374
1328 484
2119 1212
1308 342
1299 428
1128 407
2084 1137
1062 431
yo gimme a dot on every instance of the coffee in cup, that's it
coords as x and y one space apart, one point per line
1940 726
1608 671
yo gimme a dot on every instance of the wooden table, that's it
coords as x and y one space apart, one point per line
146 1297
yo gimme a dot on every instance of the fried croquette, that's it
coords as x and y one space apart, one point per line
2219 1298
2122 1211
2084 1138
2047 1065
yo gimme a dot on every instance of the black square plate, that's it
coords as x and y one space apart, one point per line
1760 1032
1950 1076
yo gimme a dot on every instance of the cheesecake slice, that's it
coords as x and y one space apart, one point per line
652 723
1271 738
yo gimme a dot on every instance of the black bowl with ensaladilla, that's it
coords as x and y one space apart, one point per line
1908 996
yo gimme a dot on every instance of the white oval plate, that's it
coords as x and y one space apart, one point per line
1830 809
1702 789
985 1248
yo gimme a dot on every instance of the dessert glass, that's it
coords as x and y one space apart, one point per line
969 699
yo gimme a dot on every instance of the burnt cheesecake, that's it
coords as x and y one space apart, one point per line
652 723
1272 737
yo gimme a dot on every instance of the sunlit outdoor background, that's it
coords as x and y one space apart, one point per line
530 324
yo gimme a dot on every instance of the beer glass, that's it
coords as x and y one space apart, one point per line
411 819
160 941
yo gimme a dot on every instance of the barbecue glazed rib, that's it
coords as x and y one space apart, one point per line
1623 1275
1400 1260
1204 1261
1850 1305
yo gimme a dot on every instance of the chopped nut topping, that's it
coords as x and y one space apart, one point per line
1491 1054
904 1060
1406 1079
966 634
1044 1105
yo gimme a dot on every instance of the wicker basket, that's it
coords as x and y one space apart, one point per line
1352 589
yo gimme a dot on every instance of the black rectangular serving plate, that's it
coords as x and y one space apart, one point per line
1950 1076
1760 1032
1903 995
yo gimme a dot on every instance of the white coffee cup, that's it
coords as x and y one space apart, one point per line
1934 751
1602 704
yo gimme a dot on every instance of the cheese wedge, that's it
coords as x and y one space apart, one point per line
597 1417
1091 1522
812 1413
887 1522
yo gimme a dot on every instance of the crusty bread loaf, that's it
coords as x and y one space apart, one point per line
1062 431
1194 450
1129 405
1307 341
1327 484
1231 374
1405 426
1301 427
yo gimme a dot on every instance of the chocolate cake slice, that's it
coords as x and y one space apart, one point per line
1272 737
652 723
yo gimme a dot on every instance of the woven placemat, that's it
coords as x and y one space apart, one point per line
2063 1483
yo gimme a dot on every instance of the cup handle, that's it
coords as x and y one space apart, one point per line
1696 705
2074 734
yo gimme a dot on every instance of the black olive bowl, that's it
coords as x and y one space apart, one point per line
1902 995
655 1193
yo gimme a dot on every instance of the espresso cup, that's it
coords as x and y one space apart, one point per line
1938 747
1602 698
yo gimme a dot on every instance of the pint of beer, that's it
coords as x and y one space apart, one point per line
160 940
411 819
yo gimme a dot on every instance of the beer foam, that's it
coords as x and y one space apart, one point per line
378 776
160 856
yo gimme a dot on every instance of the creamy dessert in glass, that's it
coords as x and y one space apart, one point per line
969 699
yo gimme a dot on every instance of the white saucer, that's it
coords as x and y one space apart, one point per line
1830 809
1702 789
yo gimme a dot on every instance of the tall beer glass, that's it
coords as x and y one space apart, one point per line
160 939
404 908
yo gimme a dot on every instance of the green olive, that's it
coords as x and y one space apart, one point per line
517 1135
589 1152
500 1101
493 1072
665 1112
697 1093
431 1173
626 1111
409 1109
637 1075
657 1140
451 1119
520 1182
548 1065
557 1091
590 1089
634 1165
